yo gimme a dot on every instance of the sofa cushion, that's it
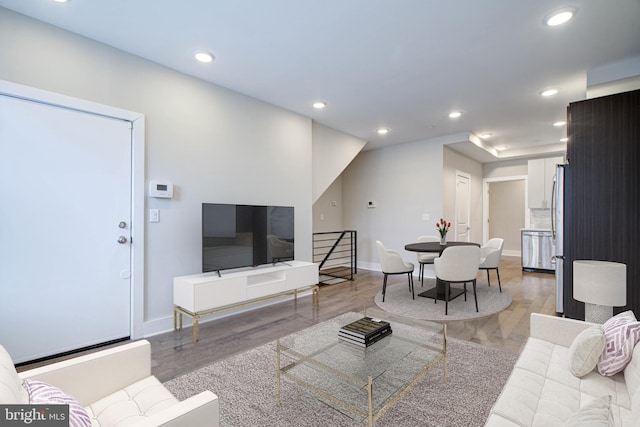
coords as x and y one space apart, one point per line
632 380
596 413
585 350
11 390
541 390
131 404
45 394
531 397
621 332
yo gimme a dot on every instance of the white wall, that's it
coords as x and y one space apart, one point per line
215 145
506 168
332 152
616 77
327 210
404 181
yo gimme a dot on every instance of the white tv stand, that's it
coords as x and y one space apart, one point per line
201 295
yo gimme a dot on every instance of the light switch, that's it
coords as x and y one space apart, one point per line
154 215
426 217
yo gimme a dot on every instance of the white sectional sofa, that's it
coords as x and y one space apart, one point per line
114 386
542 391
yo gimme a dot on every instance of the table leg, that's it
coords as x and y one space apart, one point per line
177 320
438 292
195 330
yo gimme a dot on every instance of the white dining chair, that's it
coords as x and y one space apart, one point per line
490 255
392 263
425 257
458 264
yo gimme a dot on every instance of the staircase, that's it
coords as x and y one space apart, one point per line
335 251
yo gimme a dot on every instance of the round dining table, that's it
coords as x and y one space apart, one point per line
437 292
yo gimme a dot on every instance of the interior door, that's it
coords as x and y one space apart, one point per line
65 184
463 207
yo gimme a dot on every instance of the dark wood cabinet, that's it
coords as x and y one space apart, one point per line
602 191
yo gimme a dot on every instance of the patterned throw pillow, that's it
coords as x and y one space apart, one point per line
621 332
45 394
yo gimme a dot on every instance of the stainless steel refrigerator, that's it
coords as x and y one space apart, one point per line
557 231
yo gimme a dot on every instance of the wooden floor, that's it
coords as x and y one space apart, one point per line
174 354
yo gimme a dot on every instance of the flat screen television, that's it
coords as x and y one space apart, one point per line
235 236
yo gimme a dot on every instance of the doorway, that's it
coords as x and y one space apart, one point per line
462 206
67 268
505 211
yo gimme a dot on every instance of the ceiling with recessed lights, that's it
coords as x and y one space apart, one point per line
401 65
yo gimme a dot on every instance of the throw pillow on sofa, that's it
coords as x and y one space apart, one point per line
621 332
585 350
596 413
45 394
11 390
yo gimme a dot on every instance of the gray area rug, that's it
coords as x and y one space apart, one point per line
398 301
246 387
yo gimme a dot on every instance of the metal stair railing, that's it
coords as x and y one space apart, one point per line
335 251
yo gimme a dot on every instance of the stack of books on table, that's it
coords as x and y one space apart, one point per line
365 331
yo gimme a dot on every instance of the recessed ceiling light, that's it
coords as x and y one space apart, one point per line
319 105
564 139
502 147
455 114
486 135
549 92
60 1
203 56
560 16
560 123
383 131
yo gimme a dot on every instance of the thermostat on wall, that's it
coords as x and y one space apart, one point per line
162 189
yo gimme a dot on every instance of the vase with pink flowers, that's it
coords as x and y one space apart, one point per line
443 228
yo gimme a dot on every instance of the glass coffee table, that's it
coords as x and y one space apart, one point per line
362 383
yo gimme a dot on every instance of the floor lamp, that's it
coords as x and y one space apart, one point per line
601 285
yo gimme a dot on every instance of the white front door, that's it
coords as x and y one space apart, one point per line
65 188
463 206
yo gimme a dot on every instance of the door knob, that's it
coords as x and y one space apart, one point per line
122 240
122 224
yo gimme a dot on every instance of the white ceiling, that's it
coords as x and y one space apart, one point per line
401 64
